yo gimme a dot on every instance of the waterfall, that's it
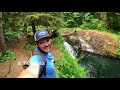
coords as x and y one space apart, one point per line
84 46
70 49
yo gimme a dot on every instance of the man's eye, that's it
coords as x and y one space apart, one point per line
41 42
47 40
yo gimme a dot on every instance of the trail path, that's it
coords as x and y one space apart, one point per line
12 68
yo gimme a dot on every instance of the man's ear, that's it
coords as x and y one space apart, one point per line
51 40
36 44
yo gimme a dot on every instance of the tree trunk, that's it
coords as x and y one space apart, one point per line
25 30
33 25
2 40
25 26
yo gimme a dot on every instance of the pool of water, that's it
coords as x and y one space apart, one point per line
100 66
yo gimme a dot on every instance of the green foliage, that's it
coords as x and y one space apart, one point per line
40 27
73 19
58 41
13 35
47 19
14 21
13 26
67 67
89 22
8 56
29 30
29 47
114 21
84 20
118 49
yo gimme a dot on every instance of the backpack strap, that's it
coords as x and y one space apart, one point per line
44 69
39 53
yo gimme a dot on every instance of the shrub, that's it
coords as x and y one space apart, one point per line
8 56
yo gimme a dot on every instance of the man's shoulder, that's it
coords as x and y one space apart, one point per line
36 57
50 54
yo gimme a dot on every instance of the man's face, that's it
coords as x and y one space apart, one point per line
44 44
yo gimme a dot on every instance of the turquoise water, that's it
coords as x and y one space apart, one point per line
101 66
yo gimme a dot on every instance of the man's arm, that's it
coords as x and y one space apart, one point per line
31 72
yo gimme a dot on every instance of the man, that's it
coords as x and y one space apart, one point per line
43 42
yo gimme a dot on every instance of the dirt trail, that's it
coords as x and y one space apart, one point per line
15 67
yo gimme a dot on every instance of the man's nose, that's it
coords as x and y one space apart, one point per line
46 43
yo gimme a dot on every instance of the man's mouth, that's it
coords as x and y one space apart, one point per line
46 47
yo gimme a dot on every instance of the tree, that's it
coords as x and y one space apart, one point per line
33 24
2 40
25 25
46 19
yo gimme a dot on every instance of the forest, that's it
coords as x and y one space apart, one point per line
17 27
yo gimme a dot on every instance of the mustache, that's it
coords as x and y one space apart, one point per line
45 46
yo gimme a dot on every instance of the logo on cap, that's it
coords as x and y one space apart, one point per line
42 33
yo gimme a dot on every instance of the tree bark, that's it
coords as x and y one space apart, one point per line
33 24
25 26
2 40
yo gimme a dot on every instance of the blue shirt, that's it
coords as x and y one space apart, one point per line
50 68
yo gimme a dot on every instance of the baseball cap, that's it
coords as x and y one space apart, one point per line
41 34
